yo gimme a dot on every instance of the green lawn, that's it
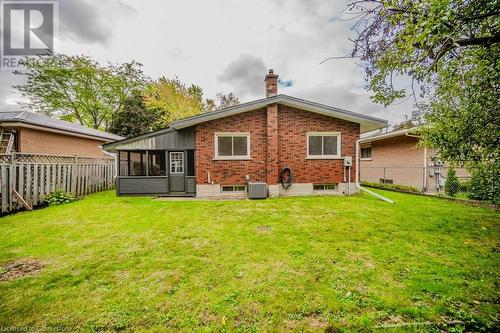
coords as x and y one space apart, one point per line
310 263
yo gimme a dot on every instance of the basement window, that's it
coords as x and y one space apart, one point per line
386 181
232 146
325 187
323 145
233 188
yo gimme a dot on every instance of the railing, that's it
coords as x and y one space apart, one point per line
28 178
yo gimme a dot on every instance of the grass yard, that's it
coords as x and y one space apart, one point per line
309 263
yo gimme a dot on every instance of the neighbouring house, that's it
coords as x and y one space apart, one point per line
396 158
32 133
228 151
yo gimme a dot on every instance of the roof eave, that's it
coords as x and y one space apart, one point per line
388 135
27 124
367 123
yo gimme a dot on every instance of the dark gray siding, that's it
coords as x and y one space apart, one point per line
190 184
169 140
141 185
183 139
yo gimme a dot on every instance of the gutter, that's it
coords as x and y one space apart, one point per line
358 186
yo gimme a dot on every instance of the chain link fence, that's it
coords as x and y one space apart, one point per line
431 179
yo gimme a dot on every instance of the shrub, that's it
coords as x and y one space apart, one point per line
59 197
452 183
484 183
392 187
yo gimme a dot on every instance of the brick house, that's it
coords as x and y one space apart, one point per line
220 153
397 158
33 133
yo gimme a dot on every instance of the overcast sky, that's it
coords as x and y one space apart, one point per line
224 45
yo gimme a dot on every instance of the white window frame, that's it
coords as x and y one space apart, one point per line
371 153
325 157
231 134
170 162
233 189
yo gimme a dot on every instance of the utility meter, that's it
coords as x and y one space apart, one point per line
348 161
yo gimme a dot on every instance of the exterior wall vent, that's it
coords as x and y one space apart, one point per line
257 190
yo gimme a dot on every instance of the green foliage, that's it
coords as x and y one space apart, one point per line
485 183
450 51
222 101
78 88
59 197
171 100
452 183
135 118
392 187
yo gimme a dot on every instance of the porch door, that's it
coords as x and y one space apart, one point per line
176 171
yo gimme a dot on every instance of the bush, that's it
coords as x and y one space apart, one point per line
59 197
452 183
484 183
392 187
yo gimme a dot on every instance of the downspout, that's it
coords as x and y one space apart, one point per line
114 157
358 186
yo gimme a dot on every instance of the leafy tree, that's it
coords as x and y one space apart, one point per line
134 119
452 183
172 100
78 88
484 184
221 101
450 51
407 124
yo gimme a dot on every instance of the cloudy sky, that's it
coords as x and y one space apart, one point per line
223 45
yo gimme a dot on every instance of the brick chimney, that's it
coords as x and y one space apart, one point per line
271 84
272 158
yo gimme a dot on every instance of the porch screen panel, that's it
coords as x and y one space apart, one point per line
157 164
190 163
137 163
123 157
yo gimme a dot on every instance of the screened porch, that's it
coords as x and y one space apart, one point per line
156 172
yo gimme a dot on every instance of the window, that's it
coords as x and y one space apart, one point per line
232 146
157 165
137 163
325 187
366 153
386 181
190 163
177 162
233 188
323 145
123 166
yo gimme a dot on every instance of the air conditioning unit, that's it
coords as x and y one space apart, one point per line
257 190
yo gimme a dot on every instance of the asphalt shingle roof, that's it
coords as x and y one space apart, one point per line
45 121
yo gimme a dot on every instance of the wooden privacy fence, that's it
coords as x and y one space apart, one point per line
27 179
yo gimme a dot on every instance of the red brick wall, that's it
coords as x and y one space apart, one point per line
232 172
293 125
42 142
272 165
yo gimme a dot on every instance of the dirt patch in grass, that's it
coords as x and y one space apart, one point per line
264 228
19 268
